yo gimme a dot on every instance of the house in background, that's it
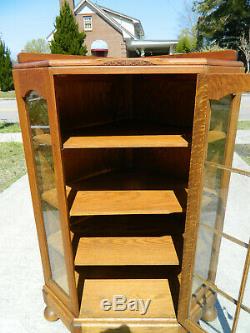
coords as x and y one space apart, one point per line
113 34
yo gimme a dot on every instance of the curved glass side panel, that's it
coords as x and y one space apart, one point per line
224 230
45 176
218 130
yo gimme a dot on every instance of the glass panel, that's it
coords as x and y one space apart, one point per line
244 322
237 207
217 135
242 148
216 312
230 267
44 165
225 202
214 261
224 229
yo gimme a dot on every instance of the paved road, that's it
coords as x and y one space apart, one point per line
8 111
245 108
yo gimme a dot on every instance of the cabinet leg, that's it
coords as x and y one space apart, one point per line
50 315
209 312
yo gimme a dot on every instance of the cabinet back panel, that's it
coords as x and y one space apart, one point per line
85 100
88 100
84 163
165 99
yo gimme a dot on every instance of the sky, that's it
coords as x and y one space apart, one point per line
24 20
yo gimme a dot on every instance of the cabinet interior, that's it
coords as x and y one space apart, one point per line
126 146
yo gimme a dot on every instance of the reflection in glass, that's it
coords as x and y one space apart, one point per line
44 165
220 262
212 311
211 195
225 202
218 130
242 145
230 267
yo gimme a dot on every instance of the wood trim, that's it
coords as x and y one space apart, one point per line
33 57
223 55
173 69
228 237
130 62
224 187
59 308
223 85
61 192
230 55
101 327
192 327
26 81
239 171
21 91
198 154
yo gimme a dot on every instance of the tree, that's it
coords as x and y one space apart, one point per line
6 80
67 37
245 49
222 22
186 42
37 46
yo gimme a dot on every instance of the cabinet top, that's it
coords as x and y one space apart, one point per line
220 61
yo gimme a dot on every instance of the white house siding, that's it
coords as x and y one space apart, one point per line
125 23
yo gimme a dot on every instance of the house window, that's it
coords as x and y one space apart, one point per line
87 23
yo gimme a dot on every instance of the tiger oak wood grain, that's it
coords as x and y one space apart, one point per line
125 251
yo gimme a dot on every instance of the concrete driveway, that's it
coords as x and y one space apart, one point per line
8 111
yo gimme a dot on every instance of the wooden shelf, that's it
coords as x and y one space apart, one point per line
133 141
126 193
126 251
88 203
126 134
123 193
160 307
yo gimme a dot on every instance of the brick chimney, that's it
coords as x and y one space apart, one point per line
70 2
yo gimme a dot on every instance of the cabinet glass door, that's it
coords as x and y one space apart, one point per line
221 278
37 110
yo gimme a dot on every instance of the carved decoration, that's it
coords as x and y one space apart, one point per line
127 62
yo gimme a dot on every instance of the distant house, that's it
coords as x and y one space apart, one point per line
113 34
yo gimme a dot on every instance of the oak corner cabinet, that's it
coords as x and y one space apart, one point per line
129 163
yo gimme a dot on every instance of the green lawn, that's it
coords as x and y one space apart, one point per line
8 94
244 125
9 127
12 163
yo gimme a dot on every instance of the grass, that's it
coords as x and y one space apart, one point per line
244 152
244 125
8 94
12 163
9 127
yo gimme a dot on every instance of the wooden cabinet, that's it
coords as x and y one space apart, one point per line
129 163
